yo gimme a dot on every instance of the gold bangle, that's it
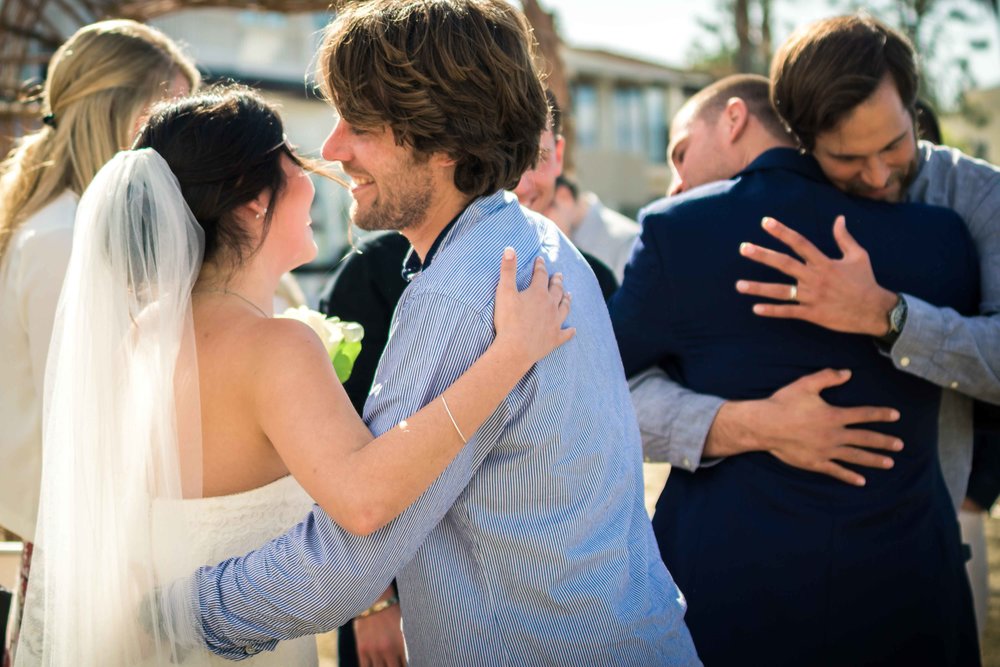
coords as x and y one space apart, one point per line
453 422
381 605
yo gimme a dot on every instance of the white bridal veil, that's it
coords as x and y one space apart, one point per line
121 425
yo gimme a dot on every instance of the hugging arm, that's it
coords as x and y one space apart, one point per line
684 428
363 483
795 424
937 344
318 576
673 420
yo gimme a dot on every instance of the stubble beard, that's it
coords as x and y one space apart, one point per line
398 213
903 178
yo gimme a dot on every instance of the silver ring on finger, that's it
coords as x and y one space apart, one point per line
793 293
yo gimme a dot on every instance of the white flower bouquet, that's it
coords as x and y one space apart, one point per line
341 339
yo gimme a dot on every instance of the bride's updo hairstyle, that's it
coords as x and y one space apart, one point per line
224 146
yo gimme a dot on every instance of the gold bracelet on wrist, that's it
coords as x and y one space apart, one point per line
381 605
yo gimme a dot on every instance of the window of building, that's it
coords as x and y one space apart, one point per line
586 115
656 121
628 120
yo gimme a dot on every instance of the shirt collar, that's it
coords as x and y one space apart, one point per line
412 266
790 159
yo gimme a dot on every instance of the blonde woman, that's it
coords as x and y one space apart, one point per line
100 84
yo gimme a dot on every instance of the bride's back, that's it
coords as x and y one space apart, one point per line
237 456
227 151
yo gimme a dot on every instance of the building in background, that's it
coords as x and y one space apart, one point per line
621 109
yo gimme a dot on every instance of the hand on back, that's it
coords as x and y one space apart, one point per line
531 321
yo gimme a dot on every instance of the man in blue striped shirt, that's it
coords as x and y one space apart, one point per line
533 547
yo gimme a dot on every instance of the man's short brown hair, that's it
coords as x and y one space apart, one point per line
826 69
449 76
753 89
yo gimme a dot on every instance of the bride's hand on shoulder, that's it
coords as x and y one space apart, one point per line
529 323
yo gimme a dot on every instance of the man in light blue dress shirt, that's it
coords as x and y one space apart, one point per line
533 547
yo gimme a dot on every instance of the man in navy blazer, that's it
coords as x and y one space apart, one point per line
781 565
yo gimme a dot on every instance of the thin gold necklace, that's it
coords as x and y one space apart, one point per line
238 296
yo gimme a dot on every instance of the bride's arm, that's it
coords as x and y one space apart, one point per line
363 483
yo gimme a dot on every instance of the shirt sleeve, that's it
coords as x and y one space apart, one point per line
673 420
317 576
939 344
943 347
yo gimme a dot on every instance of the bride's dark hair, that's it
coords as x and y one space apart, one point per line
224 146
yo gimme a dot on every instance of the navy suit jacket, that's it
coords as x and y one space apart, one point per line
793 565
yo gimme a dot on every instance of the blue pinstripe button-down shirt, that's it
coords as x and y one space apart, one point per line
533 547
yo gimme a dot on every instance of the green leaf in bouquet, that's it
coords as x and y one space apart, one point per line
343 358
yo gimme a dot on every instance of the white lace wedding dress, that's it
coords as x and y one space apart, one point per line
226 526
208 531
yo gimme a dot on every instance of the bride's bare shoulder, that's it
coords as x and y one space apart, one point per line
255 345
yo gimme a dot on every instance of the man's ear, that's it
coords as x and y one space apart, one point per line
736 116
560 149
441 159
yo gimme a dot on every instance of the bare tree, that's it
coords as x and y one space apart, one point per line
742 33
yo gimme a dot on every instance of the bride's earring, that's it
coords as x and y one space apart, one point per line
257 217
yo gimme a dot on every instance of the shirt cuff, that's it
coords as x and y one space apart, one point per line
673 421
205 588
922 335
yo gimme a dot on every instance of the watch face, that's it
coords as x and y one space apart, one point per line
897 315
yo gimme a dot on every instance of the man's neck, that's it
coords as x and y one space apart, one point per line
439 214
759 143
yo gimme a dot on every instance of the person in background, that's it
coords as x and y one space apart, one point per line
786 565
954 352
600 233
100 84
568 210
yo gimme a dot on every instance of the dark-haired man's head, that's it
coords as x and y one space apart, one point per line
429 88
846 87
537 186
721 129
227 149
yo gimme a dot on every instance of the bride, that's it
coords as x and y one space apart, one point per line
168 441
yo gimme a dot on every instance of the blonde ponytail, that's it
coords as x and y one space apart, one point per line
99 82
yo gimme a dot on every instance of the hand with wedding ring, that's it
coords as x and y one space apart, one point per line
837 294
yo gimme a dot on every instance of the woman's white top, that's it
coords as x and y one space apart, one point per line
31 277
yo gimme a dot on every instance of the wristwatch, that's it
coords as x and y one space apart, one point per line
897 319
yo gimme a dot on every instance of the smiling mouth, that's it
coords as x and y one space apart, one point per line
360 182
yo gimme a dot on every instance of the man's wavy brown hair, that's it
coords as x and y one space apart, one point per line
824 70
447 76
